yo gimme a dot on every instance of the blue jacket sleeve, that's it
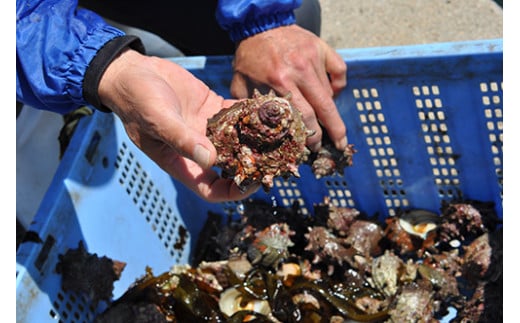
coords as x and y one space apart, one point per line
244 18
55 42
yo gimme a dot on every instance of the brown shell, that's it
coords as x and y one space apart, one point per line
264 137
259 139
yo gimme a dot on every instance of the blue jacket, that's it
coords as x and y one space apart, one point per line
62 51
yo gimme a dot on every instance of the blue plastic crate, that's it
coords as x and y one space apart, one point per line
426 121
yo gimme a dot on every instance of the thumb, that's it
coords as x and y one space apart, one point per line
203 155
193 145
201 151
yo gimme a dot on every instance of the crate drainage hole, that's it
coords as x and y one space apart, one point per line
150 202
290 193
373 121
437 140
69 307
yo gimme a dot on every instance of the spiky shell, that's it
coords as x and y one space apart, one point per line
258 139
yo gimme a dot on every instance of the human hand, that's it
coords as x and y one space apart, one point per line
164 109
292 59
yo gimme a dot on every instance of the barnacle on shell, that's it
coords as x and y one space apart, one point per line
259 139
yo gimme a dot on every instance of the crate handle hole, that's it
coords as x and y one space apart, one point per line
44 252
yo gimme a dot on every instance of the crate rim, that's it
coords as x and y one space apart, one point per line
407 51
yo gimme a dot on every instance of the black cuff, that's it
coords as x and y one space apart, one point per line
99 64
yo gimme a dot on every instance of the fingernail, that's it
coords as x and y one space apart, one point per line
201 156
253 188
315 147
342 143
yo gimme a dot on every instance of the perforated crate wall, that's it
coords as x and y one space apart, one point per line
426 121
107 194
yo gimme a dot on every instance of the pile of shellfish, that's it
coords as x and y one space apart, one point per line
275 264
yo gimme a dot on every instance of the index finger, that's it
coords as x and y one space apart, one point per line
326 111
309 119
336 69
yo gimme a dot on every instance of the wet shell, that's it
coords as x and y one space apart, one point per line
271 245
329 160
259 139
232 301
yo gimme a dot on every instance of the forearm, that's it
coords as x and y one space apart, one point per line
55 44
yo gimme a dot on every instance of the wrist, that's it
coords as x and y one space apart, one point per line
104 61
113 79
261 24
